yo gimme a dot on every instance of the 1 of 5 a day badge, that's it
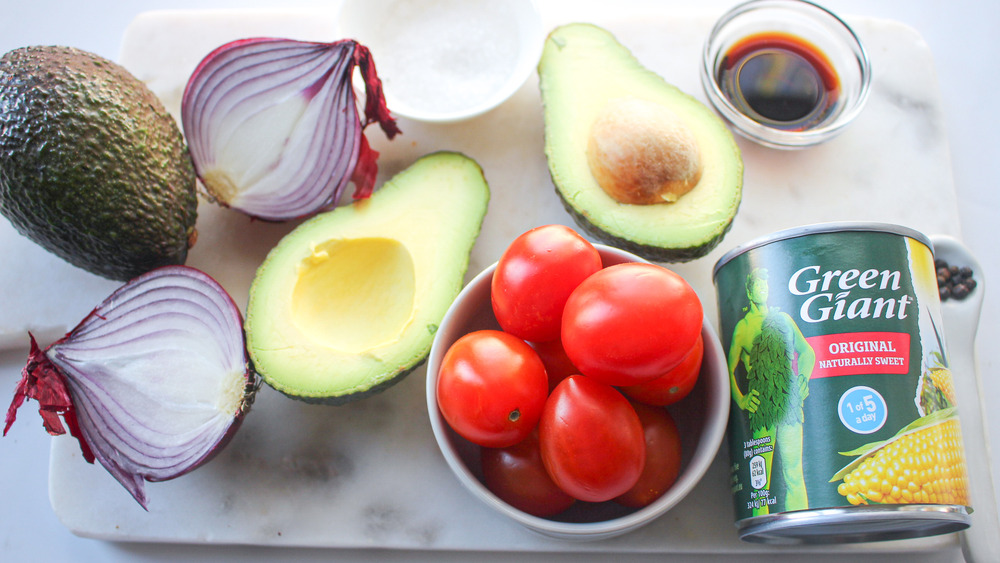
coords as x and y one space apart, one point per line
838 374
862 410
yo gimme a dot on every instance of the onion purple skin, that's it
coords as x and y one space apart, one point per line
133 331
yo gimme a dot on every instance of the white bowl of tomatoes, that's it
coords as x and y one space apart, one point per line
576 388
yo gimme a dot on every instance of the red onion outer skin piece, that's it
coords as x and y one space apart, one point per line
273 127
153 383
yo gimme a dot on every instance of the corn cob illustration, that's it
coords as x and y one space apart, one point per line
941 377
922 464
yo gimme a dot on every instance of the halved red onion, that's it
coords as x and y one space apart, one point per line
273 127
152 383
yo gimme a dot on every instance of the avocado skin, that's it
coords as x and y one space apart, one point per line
92 167
354 396
646 251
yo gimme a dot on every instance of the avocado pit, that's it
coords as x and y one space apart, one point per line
640 152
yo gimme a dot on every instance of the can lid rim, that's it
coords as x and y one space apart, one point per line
818 228
854 524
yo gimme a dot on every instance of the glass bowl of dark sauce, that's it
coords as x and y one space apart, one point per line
785 73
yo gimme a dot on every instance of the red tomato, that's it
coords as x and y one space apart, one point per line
591 439
535 276
630 323
674 385
516 475
557 363
491 388
663 457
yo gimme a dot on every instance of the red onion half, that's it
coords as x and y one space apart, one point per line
152 383
273 127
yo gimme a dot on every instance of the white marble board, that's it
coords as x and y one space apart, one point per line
369 474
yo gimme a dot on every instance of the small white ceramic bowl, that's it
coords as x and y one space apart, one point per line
701 418
446 60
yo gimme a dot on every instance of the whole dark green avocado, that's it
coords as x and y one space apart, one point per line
92 167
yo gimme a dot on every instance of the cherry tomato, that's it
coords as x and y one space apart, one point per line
630 323
591 439
491 388
535 276
516 475
663 457
674 385
557 364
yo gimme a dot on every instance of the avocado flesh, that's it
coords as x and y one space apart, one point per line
92 167
348 303
583 68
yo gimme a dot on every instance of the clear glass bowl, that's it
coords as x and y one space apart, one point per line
811 23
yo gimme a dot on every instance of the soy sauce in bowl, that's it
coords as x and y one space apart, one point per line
779 80
787 74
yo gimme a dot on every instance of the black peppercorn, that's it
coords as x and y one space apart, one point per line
954 282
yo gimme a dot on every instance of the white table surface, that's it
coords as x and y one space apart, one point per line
962 36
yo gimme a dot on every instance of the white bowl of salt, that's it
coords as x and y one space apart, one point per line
446 60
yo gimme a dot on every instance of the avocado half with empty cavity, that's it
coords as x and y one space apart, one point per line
638 163
348 303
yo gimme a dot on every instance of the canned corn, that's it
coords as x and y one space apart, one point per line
844 424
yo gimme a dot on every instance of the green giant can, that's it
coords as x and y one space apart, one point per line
843 424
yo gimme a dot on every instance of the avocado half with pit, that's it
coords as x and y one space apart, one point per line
638 163
348 303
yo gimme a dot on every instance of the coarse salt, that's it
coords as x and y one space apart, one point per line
445 56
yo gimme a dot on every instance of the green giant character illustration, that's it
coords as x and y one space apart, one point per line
778 362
